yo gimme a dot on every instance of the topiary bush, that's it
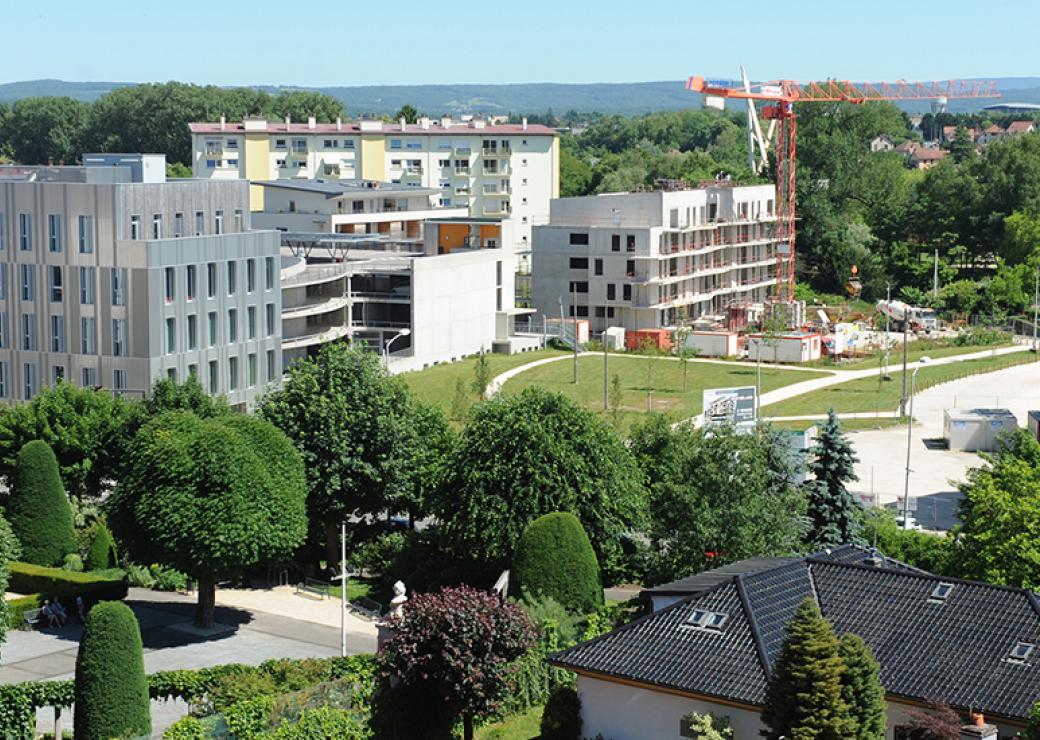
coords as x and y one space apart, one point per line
102 553
111 690
554 558
561 718
38 509
73 562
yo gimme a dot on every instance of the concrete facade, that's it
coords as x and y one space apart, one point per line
640 260
95 286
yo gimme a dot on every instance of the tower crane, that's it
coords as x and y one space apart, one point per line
779 98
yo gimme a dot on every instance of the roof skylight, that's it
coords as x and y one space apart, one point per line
705 620
1021 651
941 592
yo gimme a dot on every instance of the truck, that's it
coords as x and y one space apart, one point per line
920 319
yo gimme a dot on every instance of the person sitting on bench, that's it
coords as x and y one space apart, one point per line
48 612
59 610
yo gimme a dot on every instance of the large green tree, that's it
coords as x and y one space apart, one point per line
834 514
41 129
10 550
111 689
210 497
38 509
804 697
862 690
716 496
529 454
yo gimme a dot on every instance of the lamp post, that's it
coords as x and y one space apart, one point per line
386 349
909 433
342 578
1036 304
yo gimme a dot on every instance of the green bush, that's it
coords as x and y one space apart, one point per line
238 686
547 610
111 690
555 558
168 579
139 576
326 722
249 717
375 556
41 584
37 507
102 550
73 562
186 728
561 719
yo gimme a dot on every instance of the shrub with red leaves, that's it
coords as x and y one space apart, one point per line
450 658
937 722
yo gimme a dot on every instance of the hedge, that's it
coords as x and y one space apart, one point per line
555 558
41 583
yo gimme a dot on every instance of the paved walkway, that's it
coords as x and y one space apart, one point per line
244 635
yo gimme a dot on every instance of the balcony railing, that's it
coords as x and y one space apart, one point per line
491 151
462 171
463 151
496 189
495 171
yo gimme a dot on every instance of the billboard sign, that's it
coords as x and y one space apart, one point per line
734 406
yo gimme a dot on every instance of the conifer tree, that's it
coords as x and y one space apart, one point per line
37 507
862 689
804 697
833 512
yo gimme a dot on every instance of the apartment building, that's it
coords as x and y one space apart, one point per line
652 259
492 170
446 297
112 277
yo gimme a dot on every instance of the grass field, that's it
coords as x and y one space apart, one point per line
437 384
848 425
526 726
895 359
668 396
867 395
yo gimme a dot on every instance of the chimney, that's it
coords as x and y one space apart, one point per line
874 558
339 123
402 123
424 122
523 123
288 122
445 121
978 729
311 121
223 122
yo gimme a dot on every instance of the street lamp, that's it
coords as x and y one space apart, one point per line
909 432
394 338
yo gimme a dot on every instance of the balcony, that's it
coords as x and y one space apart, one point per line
463 172
214 151
491 151
501 171
496 188
462 151
500 210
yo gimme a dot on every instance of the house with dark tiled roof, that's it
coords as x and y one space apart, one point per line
712 640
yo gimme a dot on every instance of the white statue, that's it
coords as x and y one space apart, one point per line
397 603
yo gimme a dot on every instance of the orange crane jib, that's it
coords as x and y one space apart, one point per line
780 97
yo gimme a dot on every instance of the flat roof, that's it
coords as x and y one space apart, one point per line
981 414
337 188
457 128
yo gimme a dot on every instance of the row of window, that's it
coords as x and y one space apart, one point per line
191 335
582 312
191 279
56 283
87 332
178 223
581 239
55 233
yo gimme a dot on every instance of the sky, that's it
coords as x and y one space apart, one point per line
359 42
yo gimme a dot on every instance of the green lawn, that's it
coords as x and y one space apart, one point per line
668 396
848 425
895 359
526 726
437 384
356 589
867 395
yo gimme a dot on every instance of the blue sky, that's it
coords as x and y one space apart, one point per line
359 42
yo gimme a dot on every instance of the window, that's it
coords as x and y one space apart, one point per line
211 325
86 286
90 377
25 232
27 275
598 264
615 242
212 376
56 283
626 292
299 145
232 144
238 220
251 322
29 332
170 281
118 286
1021 651
232 316
941 592
630 267
193 282
348 143
579 239
57 333
279 143
193 371
171 373
119 337
193 331
270 319
395 143
86 234
200 223
703 619
29 371
178 224
4 380
611 292
135 227
171 335
579 263
271 374
218 222
157 226
579 287
232 277
331 143
250 275
251 369
630 242
3 233
5 337
211 279
57 374
269 273
212 163
118 380
232 373
88 336
54 233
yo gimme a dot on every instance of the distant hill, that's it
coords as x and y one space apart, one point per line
627 98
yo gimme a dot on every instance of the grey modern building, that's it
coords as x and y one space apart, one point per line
113 277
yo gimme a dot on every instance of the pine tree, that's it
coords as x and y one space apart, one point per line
862 689
833 512
804 697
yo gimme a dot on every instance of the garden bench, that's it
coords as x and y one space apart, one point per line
313 586
367 607
32 617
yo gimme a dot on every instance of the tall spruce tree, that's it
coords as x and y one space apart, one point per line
862 689
804 698
833 512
